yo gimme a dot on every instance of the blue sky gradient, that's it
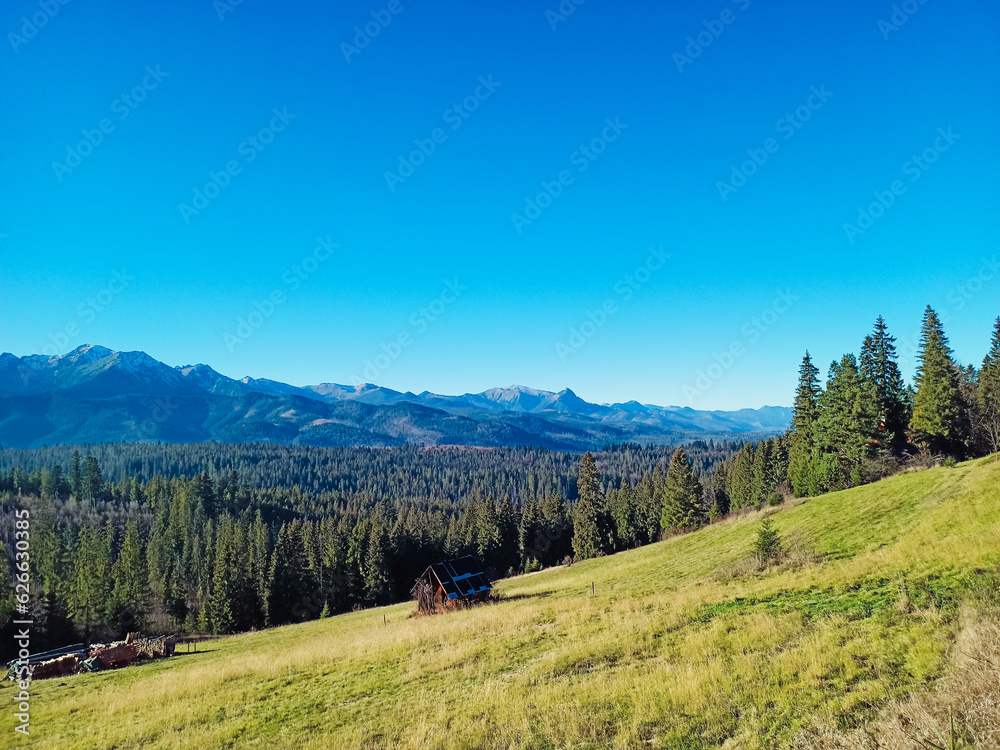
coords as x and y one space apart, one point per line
104 252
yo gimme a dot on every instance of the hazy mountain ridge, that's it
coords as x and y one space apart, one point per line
94 394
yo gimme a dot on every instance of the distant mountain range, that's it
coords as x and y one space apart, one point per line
96 395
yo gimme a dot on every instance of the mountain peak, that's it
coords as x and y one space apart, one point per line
87 353
187 369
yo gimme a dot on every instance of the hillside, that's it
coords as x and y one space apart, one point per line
96 395
683 646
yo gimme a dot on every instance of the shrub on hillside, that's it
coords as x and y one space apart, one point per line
767 545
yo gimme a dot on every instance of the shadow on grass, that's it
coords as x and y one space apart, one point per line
501 598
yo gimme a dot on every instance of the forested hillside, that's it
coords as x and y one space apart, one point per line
222 538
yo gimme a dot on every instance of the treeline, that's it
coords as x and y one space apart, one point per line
866 422
213 554
608 521
394 473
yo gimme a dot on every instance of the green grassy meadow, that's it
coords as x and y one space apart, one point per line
684 645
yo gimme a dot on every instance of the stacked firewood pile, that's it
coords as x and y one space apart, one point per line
76 659
154 648
61 665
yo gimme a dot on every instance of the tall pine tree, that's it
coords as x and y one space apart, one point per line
760 484
879 367
741 478
623 513
682 495
802 437
936 423
590 532
89 586
289 583
76 475
130 584
847 427
988 394
376 573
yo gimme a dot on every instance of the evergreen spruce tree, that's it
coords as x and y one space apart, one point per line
847 427
93 481
247 607
553 540
659 483
969 417
221 606
158 558
205 571
310 544
526 531
988 394
801 439
175 541
587 540
376 576
936 422
453 545
289 581
778 466
588 483
741 478
508 520
715 495
50 575
259 566
176 600
89 587
130 584
487 532
879 367
346 580
591 537
76 475
333 560
623 513
135 491
682 495
767 544
648 508
204 490
760 473
46 547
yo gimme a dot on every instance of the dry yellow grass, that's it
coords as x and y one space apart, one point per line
962 711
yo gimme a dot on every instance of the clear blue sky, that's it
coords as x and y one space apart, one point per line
70 229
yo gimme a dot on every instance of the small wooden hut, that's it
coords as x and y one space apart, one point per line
450 585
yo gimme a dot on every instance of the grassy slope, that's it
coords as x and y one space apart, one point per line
673 651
